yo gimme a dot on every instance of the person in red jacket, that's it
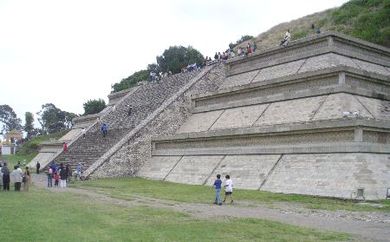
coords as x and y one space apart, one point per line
65 147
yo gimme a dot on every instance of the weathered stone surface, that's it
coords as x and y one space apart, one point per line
240 79
380 109
239 117
158 167
337 175
336 104
299 110
200 122
246 171
42 158
279 71
73 133
366 66
194 169
326 61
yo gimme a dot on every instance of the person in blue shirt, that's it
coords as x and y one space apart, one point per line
217 186
104 129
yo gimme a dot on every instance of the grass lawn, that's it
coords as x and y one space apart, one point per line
13 159
128 187
41 215
30 149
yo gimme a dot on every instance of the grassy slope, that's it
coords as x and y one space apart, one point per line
40 215
128 187
30 149
365 19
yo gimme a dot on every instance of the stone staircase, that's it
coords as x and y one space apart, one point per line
87 150
311 118
143 100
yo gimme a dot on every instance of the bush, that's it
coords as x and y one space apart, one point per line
94 106
131 81
365 19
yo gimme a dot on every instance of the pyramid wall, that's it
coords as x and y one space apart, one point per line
311 118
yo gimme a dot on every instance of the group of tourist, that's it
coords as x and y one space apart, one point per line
228 185
61 175
17 177
230 53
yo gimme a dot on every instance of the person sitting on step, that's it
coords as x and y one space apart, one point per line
286 39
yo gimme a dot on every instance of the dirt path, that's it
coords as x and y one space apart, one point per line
365 226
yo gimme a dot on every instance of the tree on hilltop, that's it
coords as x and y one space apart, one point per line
94 106
173 59
130 81
177 57
53 119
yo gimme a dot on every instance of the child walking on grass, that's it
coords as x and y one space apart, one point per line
228 189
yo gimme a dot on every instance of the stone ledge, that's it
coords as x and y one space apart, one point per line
313 126
115 97
306 148
385 80
247 94
328 42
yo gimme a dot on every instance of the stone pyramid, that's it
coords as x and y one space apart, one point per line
310 118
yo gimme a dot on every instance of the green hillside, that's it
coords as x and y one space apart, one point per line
365 19
30 149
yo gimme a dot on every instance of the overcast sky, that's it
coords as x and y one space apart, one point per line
67 52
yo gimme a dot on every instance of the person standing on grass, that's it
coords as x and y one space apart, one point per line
56 177
50 177
17 177
217 186
1 175
26 179
63 176
38 167
228 189
68 173
6 177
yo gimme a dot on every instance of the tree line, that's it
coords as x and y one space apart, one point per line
51 119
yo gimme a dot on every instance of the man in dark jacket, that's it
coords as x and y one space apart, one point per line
6 177
63 176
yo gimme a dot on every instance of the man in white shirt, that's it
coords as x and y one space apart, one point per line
228 189
17 177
